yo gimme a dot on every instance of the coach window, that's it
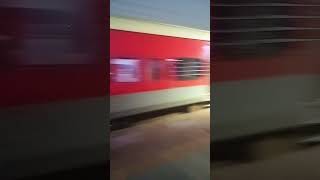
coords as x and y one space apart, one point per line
188 69
126 70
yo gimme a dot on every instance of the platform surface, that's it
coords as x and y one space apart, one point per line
174 146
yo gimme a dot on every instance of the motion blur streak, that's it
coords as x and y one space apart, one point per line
53 86
266 66
266 86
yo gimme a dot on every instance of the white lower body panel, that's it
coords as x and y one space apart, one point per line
248 107
38 139
125 105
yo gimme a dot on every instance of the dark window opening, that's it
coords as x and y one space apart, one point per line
155 70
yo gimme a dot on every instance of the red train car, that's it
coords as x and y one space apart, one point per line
266 66
156 66
52 95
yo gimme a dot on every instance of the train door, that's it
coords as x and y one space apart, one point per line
154 69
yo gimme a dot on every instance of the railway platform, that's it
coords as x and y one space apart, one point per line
174 146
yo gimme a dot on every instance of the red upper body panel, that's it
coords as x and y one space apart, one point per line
147 47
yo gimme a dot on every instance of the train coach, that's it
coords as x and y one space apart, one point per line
52 95
266 67
156 66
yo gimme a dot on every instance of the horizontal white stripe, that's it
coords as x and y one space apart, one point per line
265 41
264 29
265 17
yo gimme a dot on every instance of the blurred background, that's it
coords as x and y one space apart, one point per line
265 86
53 87
56 89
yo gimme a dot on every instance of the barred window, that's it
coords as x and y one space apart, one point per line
189 69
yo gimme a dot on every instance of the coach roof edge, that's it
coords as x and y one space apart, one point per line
125 24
